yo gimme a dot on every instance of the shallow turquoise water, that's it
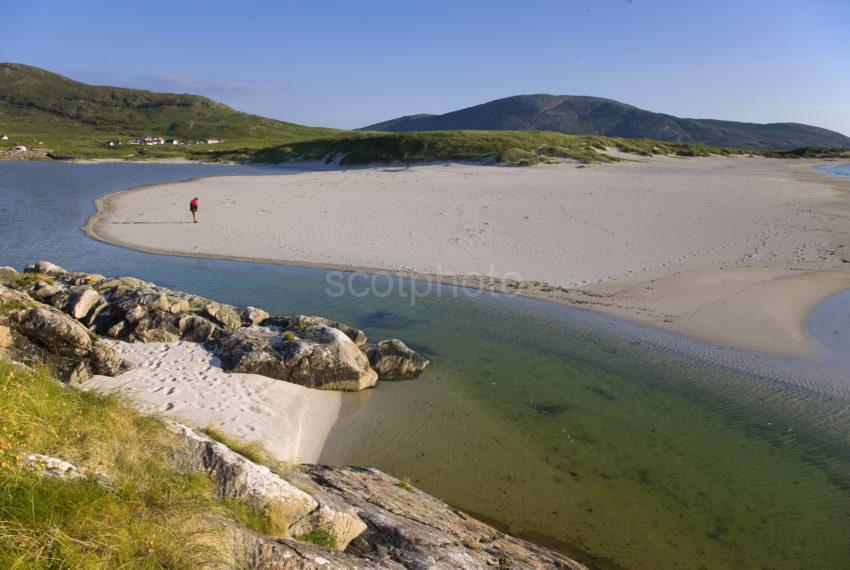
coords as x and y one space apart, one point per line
620 444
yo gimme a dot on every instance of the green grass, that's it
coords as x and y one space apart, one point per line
43 110
26 279
508 147
290 336
253 451
10 306
319 538
150 516
270 521
406 484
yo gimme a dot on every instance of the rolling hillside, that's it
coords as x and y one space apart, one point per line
76 118
605 117
48 112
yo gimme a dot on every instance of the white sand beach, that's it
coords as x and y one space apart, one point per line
735 251
182 380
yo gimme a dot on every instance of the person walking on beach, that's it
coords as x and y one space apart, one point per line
193 207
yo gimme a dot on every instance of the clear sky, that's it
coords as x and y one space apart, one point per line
351 63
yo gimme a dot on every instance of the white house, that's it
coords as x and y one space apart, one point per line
19 148
212 141
4 137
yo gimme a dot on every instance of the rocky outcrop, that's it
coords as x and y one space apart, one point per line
321 357
301 322
308 350
50 336
376 520
142 312
393 360
415 530
256 485
255 552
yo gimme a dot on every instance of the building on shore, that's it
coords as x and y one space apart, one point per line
152 141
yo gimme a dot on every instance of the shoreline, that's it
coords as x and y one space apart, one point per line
675 299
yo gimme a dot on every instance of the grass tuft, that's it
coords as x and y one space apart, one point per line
26 279
319 538
11 306
406 484
253 451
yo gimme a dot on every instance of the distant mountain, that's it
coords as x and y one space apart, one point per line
36 102
596 116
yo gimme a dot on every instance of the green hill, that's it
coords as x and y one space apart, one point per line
77 119
596 116
45 111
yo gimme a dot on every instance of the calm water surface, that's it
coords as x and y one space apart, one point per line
622 445
836 170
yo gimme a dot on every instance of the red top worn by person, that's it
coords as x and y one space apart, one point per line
193 207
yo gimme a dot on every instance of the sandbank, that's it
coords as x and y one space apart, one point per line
731 250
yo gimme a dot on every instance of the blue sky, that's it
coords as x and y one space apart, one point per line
349 64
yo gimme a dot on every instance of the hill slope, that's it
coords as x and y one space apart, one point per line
63 113
595 116
48 112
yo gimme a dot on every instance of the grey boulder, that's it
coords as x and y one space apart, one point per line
317 357
394 360
53 330
46 268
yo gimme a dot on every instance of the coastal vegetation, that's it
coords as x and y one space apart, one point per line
509 147
250 450
319 538
58 118
145 514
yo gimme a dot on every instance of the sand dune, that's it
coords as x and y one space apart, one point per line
642 239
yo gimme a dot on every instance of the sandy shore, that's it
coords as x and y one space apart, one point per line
184 381
734 251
